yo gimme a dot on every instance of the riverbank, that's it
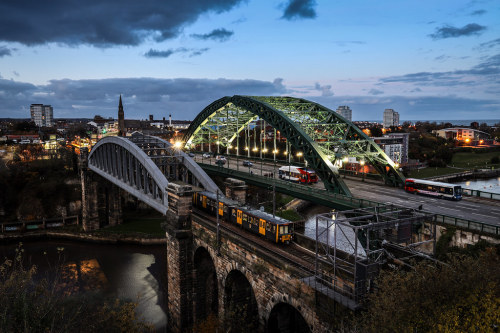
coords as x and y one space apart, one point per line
83 237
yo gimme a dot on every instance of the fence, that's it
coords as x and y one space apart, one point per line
51 223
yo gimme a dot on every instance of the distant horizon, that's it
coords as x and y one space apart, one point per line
490 122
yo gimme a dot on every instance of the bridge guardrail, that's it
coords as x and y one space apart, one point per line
468 224
351 202
481 194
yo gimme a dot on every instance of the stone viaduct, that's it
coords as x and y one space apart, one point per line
231 281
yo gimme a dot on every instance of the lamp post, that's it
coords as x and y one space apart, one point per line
362 163
345 160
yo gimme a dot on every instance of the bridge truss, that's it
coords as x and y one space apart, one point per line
324 138
143 166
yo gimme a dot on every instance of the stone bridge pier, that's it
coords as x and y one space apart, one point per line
231 282
101 199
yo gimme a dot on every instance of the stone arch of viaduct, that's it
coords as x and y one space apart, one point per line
233 281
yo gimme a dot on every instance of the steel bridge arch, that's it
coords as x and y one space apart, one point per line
133 163
323 136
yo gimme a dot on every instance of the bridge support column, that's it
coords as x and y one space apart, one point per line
90 212
236 189
179 257
115 206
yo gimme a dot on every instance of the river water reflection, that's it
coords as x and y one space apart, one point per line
135 273
487 185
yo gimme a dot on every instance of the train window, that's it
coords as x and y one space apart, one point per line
245 218
233 212
274 228
268 226
281 229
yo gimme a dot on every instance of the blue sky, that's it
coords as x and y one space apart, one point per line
428 60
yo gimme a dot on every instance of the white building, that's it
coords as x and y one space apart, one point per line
391 118
345 112
42 115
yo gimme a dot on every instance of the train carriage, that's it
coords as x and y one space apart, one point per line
275 229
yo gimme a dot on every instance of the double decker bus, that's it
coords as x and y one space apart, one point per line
297 174
434 189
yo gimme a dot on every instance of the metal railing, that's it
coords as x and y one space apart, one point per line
340 201
50 223
481 194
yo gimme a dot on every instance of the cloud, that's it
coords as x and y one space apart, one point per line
478 12
415 108
159 54
152 53
220 35
101 23
345 43
375 92
299 9
4 51
487 68
451 32
184 98
325 90
490 44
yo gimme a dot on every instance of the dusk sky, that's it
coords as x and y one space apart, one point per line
428 60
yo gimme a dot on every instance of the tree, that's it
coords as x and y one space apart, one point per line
462 295
32 302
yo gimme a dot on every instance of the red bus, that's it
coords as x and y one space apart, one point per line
297 174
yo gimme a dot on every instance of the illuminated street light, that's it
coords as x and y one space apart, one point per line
362 163
345 160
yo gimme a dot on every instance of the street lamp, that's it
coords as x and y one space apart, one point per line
345 160
362 163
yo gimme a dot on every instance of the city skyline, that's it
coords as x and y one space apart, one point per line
425 60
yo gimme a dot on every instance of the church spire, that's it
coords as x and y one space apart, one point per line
121 119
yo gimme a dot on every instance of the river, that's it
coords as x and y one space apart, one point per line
128 272
486 185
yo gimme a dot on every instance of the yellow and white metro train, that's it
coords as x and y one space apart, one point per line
274 229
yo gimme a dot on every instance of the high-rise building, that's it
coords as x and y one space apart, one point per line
345 112
391 118
42 115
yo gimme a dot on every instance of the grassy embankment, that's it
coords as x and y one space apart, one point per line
462 161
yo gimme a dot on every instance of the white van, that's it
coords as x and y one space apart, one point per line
26 141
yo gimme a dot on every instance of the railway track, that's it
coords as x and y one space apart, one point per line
292 254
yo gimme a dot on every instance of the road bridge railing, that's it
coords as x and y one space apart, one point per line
339 201
305 192
483 228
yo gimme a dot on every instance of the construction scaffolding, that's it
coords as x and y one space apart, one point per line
353 245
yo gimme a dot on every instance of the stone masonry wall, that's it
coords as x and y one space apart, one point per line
271 283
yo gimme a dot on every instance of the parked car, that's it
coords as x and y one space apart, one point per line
247 163
190 154
206 155
220 162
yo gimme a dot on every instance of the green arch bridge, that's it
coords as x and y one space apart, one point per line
323 137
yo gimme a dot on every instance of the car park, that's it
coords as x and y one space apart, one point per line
247 163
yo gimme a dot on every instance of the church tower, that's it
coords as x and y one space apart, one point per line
121 119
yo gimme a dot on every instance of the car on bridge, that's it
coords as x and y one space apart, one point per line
220 160
247 163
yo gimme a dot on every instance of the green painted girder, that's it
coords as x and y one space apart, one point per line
300 122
